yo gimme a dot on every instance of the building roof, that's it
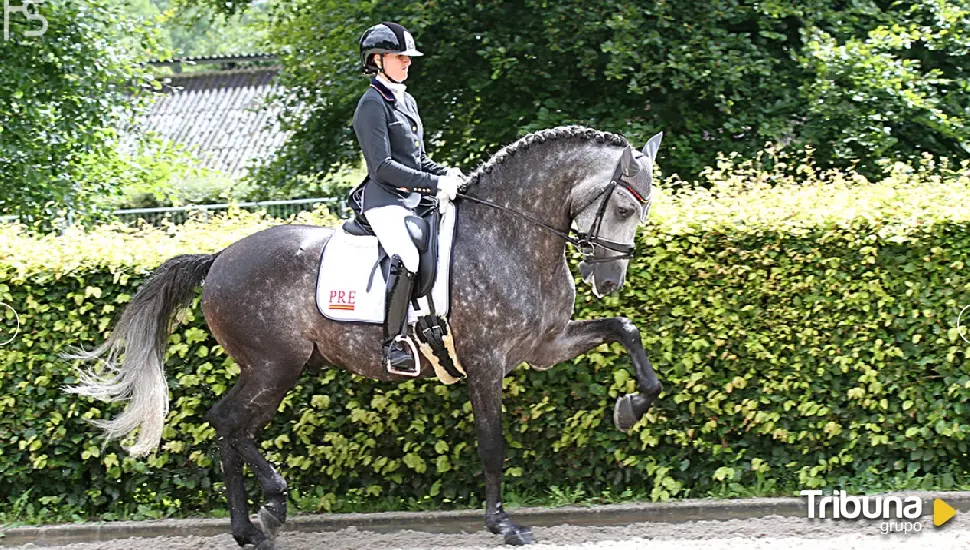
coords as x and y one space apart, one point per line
251 56
222 116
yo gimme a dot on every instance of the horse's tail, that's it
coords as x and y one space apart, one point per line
141 334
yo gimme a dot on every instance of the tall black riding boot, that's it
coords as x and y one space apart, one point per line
397 352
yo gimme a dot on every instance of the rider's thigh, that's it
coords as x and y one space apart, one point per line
388 224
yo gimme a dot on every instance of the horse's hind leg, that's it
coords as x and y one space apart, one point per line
272 515
243 529
244 411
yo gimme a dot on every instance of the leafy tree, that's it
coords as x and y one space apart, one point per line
64 96
900 90
199 30
857 81
193 30
226 7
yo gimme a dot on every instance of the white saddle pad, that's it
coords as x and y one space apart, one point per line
346 267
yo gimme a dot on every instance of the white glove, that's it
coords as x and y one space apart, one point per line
445 206
448 185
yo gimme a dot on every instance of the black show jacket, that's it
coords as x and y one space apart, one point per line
391 136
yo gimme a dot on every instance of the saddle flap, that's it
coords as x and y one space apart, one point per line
420 232
427 251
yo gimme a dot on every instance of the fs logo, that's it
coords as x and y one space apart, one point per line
343 299
32 15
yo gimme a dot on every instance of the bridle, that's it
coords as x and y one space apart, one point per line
587 242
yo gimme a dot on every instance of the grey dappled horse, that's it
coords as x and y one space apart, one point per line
512 299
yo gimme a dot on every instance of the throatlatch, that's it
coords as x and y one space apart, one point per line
400 353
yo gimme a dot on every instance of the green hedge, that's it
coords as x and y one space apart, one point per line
805 333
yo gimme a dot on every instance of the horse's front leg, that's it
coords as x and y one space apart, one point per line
580 336
485 393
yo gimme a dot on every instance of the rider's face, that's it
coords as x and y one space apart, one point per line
396 66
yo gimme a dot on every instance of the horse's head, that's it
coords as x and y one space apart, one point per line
607 212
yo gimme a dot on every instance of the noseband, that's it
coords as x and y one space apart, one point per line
588 242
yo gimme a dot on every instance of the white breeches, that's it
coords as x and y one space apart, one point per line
388 224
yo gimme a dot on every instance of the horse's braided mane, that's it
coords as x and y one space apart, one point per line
558 133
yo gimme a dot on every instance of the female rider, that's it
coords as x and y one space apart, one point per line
399 171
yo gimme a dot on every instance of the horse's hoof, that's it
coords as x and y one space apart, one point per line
270 524
267 544
629 409
520 537
250 537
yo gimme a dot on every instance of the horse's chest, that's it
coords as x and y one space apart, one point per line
558 293
565 300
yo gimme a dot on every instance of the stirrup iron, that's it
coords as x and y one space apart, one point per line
414 355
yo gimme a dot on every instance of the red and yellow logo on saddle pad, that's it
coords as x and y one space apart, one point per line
342 299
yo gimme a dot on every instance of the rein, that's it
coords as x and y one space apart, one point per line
583 241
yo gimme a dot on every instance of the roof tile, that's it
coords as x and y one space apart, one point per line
223 117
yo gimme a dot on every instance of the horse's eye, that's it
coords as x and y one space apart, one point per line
624 211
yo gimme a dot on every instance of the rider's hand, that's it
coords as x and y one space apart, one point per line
457 172
448 185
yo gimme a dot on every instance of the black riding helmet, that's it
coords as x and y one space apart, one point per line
385 38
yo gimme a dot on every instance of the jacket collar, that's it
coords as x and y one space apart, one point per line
388 95
385 92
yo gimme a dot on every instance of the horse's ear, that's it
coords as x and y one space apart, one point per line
628 164
653 144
